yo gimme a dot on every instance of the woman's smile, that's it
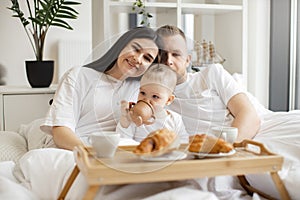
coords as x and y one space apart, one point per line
131 63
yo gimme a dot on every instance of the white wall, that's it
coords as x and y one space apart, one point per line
15 47
258 49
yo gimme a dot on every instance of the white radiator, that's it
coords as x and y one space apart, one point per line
72 53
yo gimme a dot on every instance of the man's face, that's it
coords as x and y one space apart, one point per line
175 55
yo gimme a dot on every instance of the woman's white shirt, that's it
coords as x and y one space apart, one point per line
88 101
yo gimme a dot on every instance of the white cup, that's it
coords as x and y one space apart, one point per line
105 143
229 134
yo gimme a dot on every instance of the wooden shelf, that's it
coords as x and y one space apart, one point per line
126 7
23 104
189 8
26 89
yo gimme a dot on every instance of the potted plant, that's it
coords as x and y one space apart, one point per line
139 7
42 14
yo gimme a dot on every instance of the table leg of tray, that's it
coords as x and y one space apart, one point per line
280 186
250 190
91 192
69 183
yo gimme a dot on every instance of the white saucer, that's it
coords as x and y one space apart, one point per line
173 155
202 155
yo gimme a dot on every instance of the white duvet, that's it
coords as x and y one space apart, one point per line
41 173
281 135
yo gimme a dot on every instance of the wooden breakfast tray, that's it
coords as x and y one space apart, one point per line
125 167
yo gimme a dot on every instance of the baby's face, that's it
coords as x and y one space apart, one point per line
158 96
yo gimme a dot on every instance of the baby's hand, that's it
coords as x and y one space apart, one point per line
125 119
124 108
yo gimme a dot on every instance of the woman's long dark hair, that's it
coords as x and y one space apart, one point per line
107 61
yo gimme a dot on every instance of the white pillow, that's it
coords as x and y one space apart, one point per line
34 136
240 79
12 146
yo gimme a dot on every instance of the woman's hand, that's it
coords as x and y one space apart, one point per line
65 138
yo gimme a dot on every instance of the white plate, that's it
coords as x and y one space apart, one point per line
173 155
202 155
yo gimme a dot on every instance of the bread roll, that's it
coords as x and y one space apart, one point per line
156 141
203 143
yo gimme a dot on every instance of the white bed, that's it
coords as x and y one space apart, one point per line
32 166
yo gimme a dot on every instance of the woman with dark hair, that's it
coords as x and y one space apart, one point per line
88 98
107 61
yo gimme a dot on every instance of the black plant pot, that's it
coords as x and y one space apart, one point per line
40 73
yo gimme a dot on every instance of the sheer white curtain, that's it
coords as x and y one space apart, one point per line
294 92
297 72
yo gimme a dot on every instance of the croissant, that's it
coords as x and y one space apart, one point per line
156 141
203 143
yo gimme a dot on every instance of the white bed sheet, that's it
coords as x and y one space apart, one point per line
10 187
14 191
280 133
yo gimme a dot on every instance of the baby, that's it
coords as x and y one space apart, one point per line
156 88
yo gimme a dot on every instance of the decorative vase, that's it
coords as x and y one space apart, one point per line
39 73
